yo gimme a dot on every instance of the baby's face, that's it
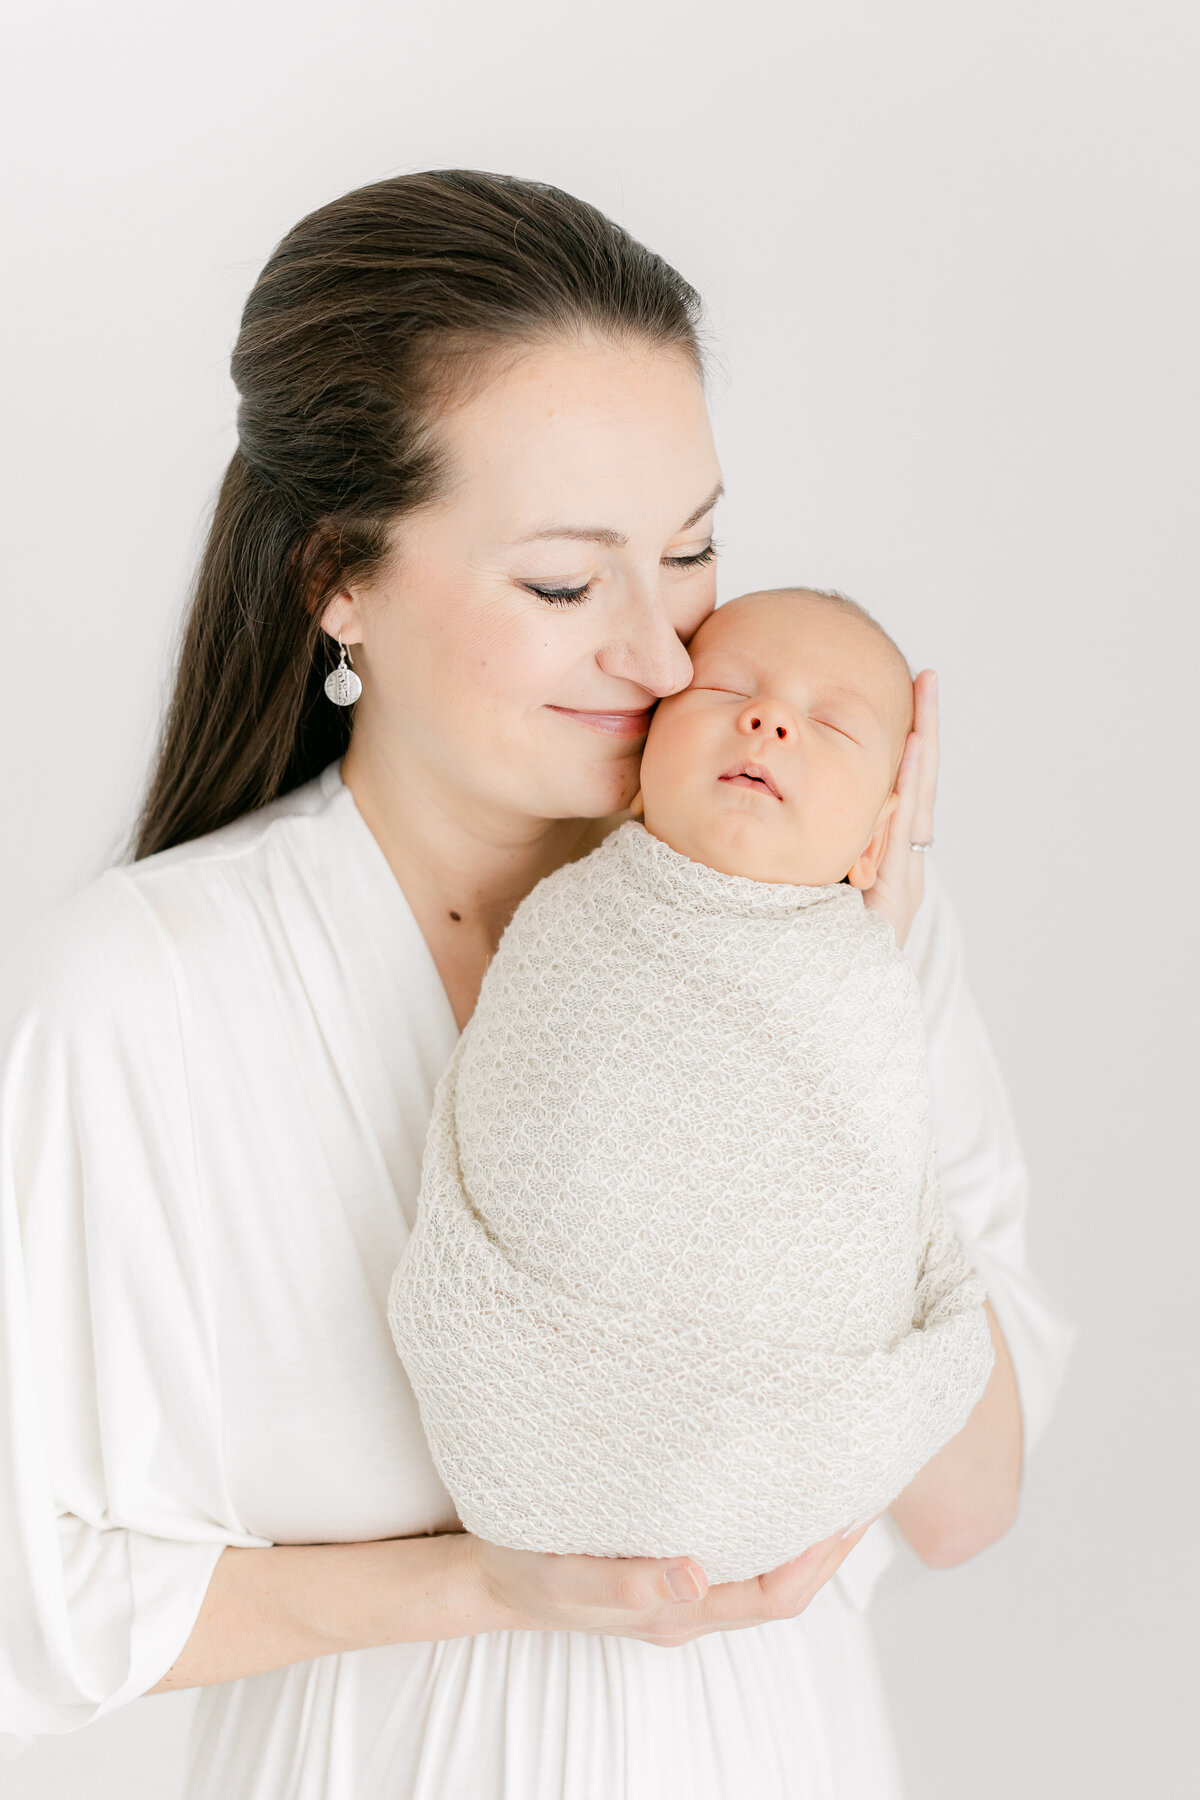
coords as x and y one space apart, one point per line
779 761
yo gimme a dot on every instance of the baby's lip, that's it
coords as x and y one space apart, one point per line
756 772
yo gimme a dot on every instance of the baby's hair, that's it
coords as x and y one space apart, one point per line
849 605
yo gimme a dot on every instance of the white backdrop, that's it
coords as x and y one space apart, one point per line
949 255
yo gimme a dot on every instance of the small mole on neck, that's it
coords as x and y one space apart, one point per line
457 917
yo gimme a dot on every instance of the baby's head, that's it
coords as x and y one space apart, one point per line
779 761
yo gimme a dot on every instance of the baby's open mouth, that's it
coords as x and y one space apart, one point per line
752 775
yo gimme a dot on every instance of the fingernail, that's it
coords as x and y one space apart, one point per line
851 1529
682 1583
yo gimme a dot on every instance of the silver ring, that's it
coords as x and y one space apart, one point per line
928 846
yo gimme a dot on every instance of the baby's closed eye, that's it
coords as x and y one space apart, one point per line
840 729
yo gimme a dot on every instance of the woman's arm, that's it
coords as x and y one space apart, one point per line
286 1604
968 1494
267 1608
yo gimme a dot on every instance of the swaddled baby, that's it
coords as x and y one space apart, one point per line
681 1282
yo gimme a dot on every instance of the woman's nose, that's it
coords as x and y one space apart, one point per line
767 719
652 655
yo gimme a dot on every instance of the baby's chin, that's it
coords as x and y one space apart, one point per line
736 841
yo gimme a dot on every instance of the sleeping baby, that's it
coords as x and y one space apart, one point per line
681 1281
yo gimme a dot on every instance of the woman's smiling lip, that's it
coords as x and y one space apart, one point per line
614 724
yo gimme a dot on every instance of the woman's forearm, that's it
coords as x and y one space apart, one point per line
267 1608
967 1495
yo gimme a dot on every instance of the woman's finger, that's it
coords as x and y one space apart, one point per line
633 1583
789 1588
780 1593
904 820
925 706
899 883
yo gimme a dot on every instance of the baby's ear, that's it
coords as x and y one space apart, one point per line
866 864
637 806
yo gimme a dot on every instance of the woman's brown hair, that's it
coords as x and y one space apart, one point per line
370 310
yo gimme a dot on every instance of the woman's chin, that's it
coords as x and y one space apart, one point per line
601 792
598 791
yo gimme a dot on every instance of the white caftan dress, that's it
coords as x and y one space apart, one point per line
219 1068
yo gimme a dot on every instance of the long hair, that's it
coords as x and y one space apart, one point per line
367 315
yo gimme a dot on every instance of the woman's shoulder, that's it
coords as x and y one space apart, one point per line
110 951
243 848
95 954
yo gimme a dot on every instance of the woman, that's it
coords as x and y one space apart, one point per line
474 453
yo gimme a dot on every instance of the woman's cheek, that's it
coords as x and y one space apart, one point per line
690 615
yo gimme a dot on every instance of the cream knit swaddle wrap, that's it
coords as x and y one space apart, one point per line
681 1281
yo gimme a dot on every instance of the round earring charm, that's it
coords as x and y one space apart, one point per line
342 684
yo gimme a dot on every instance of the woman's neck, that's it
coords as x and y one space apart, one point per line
464 866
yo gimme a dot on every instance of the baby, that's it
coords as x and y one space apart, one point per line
681 1281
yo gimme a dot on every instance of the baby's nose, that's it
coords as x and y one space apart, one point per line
765 719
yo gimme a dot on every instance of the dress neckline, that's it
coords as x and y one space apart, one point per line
381 893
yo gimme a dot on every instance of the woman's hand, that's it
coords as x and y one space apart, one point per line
900 881
630 1596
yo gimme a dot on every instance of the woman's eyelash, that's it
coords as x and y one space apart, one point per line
560 596
694 562
571 596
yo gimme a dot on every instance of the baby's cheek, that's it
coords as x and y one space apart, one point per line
851 811
659 757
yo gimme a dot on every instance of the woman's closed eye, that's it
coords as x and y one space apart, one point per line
571 596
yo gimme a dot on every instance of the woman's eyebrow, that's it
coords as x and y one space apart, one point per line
604 534
706 507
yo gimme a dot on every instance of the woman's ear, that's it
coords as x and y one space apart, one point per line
866 865
341 614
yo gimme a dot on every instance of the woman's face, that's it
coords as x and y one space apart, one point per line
515 643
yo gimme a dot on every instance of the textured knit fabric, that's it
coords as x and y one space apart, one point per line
217 1070
682 1281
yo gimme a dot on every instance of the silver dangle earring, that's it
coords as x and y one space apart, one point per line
342 684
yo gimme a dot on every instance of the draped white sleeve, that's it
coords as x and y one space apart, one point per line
985 1190
112 1506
